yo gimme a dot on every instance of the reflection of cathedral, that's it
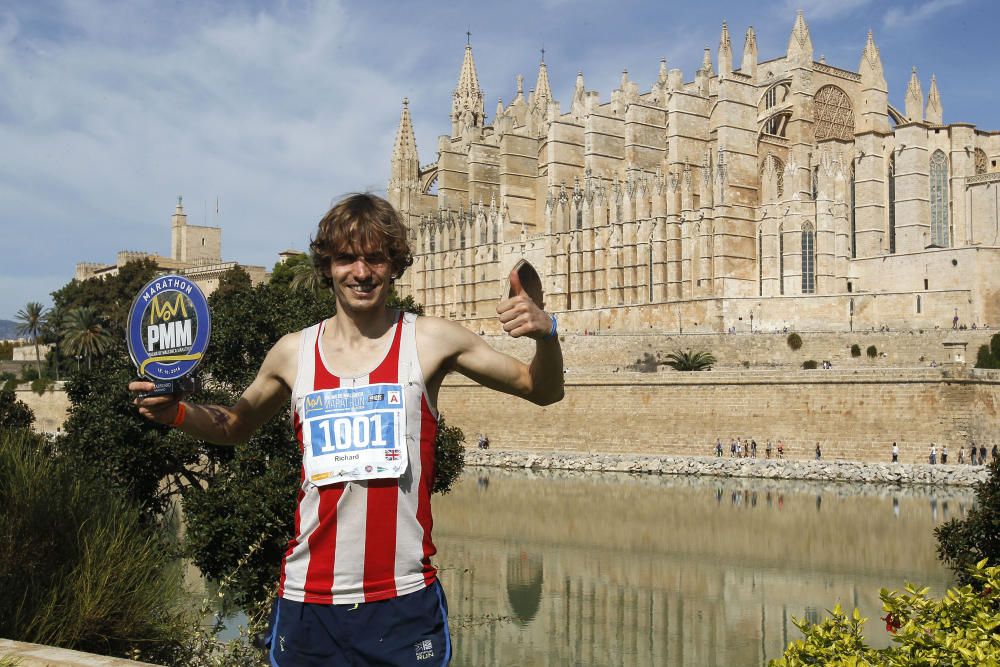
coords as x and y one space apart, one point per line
786 189
614 570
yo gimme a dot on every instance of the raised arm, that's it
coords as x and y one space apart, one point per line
224 425
455 348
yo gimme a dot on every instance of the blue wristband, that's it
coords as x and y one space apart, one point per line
552 331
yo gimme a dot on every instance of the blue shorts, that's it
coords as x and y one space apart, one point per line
410 629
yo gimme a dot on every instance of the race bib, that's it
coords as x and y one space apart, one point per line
354 433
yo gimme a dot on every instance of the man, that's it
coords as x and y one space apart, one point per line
895 453
357 586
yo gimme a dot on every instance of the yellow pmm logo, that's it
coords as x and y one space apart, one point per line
167 311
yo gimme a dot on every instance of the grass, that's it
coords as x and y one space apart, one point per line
79 568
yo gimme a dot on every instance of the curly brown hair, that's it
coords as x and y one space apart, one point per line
362 224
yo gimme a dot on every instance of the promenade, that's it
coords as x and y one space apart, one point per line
777 469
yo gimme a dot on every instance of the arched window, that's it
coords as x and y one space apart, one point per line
854 220
891 177
808 259
833 113
939 200
781 259
981 161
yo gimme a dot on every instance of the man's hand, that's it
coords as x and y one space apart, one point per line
520 315
159 409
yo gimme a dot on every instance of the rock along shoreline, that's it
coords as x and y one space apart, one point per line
798 469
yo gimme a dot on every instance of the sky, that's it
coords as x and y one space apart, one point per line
261 114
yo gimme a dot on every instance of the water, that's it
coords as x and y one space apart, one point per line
611 569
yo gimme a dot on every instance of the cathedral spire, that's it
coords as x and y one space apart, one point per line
935 113
874 91
725 52
406 143
800 48
870 68
542 89
749 64
404 171
706 62
467 106
914 98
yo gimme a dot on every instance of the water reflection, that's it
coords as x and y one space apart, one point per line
606 569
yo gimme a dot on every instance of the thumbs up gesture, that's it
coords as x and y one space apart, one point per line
521 312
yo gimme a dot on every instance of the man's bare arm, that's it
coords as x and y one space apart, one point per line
230 425
455 348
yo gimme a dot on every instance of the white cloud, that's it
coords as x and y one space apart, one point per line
900 16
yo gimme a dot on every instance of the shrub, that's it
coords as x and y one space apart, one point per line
794 341
13 413
690 361
78 566
810 365
855 350
871 351
959 630
985 358
964 542
995 347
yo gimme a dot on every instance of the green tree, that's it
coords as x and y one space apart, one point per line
284 271
961 543
14 414
871 351
31 321
110 296
855 350
690 361
84 333
794 341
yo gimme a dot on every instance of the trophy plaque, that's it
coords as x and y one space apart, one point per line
168 330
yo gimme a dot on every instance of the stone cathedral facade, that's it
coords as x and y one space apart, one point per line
783 192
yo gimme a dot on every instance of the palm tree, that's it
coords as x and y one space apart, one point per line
31 319
304 276
690 361
83 333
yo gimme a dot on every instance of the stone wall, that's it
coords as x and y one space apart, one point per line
606 352
36 655
855 415
51 408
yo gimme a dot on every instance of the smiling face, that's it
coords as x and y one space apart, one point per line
361 280
360 247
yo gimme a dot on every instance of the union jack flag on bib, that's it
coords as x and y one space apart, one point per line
391 454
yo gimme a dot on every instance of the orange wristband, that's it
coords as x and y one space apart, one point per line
179 419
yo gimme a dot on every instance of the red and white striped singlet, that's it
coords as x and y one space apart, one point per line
367 540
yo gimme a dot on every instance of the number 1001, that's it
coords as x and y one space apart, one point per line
357 432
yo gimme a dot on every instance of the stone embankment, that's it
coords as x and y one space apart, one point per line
826 471
24 654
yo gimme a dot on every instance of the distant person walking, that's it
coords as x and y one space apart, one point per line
982 454
718 448
996 452
819 452
767 449
933 456
961 456
944 455
895 453
781 449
